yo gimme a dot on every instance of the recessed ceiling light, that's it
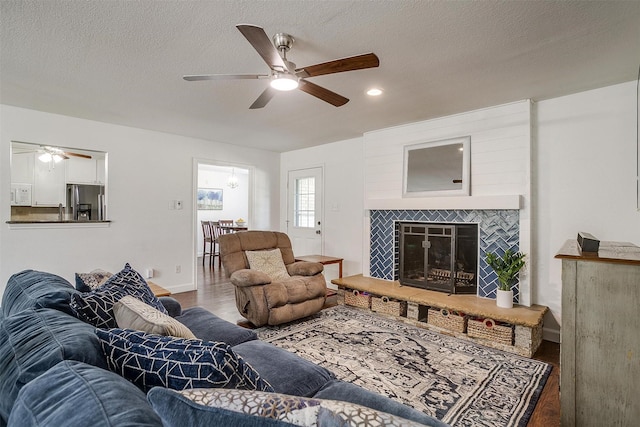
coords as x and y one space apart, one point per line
374 91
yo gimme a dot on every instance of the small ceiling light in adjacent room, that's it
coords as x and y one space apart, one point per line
232 182
374 91
284 82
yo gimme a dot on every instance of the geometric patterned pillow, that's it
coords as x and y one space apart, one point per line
294 410
269 262
131 313
149 360
96 307
87 282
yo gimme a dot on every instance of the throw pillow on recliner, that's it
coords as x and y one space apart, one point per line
269 262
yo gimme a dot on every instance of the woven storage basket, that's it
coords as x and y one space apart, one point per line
357 299
446 319
387 306
489 330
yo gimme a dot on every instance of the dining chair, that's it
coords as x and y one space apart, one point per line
226 223
216 231
208 239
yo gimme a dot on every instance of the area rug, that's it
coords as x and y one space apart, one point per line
459 382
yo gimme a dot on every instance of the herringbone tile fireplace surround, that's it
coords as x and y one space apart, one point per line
499 229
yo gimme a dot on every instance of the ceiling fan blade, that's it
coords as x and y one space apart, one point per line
261 43
264 98
84 156
322 93
359 62
199 77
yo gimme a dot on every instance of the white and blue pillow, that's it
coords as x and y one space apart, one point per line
150 360
236 408
96 307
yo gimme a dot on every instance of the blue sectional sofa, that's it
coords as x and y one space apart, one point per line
54 371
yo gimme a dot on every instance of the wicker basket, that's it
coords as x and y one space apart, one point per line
386 306
490 330
445 319
357 298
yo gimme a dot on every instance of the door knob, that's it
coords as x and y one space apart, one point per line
318 231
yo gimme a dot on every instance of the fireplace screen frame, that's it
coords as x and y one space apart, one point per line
436 236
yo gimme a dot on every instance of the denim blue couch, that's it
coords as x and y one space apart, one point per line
54 372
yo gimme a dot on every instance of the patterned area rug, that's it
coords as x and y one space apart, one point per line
457 381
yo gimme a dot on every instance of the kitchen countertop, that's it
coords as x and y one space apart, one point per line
46 221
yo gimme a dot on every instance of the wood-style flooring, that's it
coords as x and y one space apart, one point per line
216 294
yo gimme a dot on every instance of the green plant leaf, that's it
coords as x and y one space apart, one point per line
506 267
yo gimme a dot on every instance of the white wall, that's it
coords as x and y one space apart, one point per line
500 165
146 171
584 177
343 204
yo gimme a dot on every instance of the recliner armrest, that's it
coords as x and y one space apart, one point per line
304 268
247 277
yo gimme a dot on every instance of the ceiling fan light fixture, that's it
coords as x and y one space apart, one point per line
45 157
374 91
284 82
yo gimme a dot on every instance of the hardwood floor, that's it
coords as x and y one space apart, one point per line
216 294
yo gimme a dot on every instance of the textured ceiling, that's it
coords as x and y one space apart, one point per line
122 61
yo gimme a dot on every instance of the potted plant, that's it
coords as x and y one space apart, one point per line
506 267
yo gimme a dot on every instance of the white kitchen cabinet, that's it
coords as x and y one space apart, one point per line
49 186
101 170
81 171
85 171
22 168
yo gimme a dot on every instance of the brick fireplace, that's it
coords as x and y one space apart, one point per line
498 230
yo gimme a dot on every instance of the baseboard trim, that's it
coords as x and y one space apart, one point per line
552 335
176 289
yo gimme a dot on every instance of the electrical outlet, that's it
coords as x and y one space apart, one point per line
178 269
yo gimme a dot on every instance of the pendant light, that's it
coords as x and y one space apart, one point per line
232 182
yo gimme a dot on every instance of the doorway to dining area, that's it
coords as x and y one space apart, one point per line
222 194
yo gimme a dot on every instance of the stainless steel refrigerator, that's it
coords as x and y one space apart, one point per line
86 202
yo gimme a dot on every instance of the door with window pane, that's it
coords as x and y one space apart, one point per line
304 218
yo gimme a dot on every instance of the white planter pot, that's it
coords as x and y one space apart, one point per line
504 299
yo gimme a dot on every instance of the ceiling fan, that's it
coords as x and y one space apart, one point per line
47 153
284 74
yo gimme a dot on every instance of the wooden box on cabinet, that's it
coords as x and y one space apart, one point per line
600 349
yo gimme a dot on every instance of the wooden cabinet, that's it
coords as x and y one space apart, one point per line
49 184
600 349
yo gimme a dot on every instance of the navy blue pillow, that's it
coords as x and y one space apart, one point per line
96 307
74 394
150 360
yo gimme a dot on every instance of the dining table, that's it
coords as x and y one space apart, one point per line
233 228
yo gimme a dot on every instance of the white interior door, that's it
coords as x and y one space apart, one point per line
304 211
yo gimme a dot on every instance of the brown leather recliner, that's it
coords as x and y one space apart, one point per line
258 298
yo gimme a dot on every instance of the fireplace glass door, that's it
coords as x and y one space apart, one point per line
439 257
